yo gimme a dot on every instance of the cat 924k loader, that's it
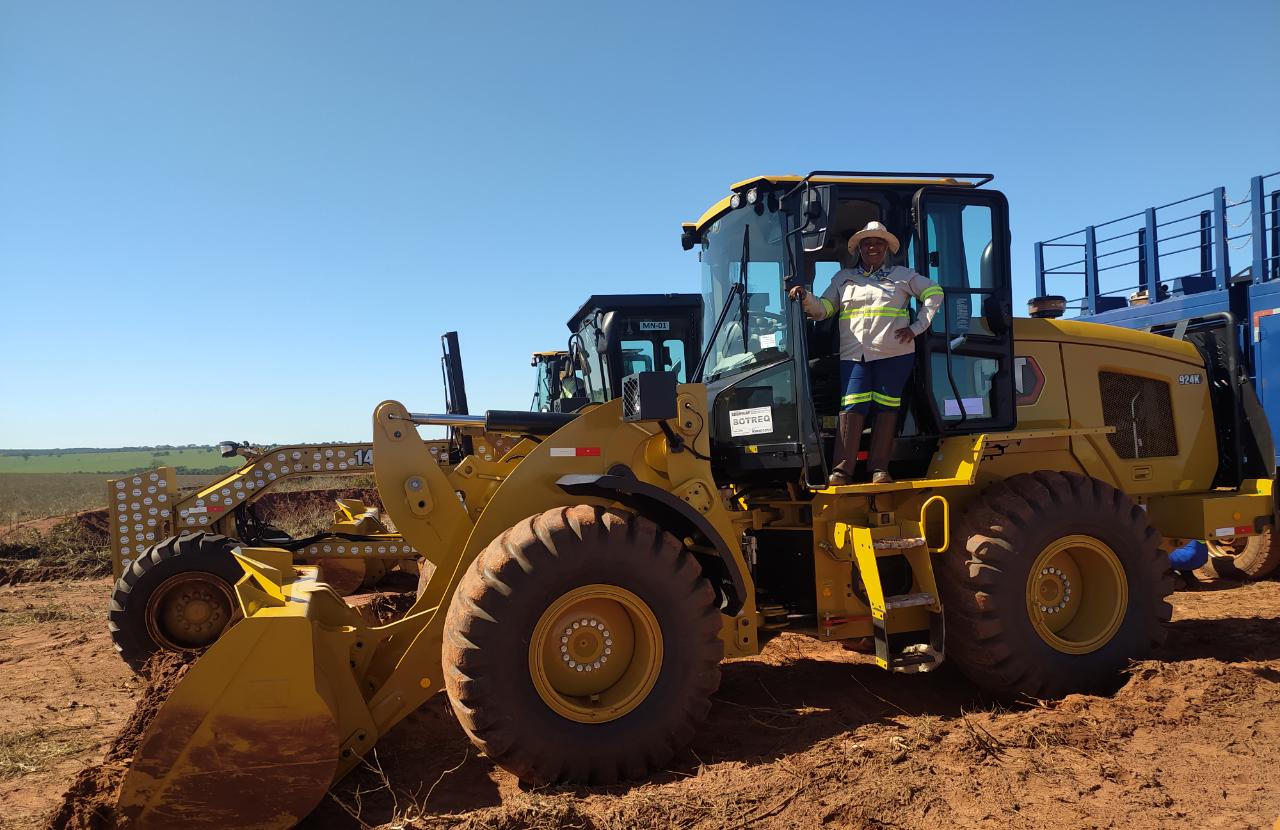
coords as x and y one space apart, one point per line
589 582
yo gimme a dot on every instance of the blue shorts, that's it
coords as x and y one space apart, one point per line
878 382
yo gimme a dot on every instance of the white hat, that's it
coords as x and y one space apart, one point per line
877 230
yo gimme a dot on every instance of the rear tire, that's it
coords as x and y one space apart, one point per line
1056 582
177 596
1249 557
515 626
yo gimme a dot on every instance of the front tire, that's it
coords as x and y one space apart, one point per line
176 596
1056 583
582 645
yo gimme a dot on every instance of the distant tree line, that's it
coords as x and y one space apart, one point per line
64 450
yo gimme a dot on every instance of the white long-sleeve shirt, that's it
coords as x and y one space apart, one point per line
871 306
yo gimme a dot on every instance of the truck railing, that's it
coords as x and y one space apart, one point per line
1165 252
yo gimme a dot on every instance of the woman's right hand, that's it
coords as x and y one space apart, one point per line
797 293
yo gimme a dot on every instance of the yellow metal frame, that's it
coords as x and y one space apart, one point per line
1213 516
148 507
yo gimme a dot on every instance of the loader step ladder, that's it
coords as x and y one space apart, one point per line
893 617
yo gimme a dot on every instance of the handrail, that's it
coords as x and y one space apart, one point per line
946 523
1216 236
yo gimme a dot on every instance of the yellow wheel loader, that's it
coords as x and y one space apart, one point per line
588 583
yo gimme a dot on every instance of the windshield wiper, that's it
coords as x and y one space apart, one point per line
738 287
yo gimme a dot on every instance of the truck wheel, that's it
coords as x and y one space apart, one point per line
1055 583
1246 557
582 645
176 596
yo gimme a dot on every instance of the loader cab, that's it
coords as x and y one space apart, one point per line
772 374
615 335
553 380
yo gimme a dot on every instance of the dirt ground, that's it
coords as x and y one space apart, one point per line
805 735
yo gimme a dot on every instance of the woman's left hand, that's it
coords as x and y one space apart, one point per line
904 334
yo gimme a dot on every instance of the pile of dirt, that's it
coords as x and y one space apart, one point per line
58 547
90 801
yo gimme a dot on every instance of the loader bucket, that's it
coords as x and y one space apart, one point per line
250 737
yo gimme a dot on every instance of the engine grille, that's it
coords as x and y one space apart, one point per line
630 397
1141 410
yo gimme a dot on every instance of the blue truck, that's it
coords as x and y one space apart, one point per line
1205 268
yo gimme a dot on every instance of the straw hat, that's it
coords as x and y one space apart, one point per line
877 230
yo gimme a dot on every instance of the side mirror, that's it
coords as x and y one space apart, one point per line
999 316
815 210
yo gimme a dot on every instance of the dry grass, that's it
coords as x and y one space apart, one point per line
350 482
47 614
23 753
304 520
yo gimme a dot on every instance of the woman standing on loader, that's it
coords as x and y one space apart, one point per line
877 347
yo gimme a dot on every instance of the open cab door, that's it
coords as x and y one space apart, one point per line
961 241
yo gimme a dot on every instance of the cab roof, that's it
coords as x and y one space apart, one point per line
673 304
921 179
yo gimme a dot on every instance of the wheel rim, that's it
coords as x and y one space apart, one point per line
1229 546
189 611
1077 594
595 653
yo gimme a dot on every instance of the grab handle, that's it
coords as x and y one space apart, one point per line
946 523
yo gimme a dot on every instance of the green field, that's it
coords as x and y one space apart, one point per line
114 461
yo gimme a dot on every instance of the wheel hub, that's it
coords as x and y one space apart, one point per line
1077 594
1052 590
595 653
188 611
586 644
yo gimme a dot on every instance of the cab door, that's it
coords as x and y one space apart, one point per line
961 241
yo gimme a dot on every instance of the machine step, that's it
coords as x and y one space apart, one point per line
907 601
917 658
898 543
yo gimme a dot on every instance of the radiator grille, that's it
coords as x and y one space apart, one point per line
1141 410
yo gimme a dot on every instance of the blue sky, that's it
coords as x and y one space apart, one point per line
253 221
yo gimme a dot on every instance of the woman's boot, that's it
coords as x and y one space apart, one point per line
848 439
884 429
